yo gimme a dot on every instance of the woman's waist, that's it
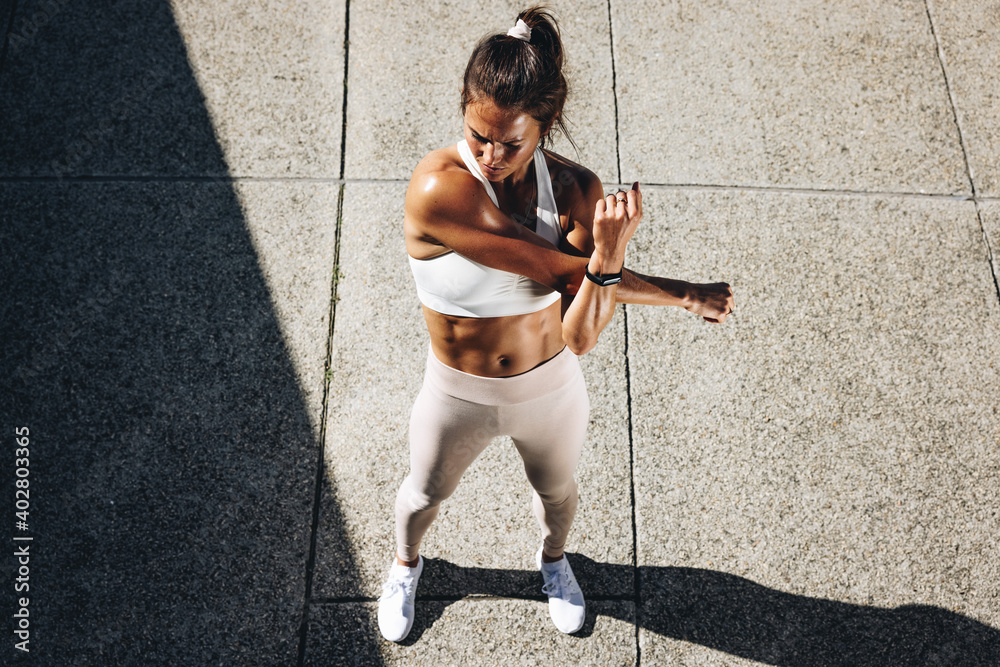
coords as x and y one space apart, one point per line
551 375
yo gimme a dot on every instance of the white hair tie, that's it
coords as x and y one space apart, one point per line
521 30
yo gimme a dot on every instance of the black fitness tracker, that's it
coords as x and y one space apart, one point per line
605 280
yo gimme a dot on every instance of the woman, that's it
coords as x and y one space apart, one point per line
515 282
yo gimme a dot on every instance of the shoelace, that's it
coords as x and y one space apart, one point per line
394 586
560 585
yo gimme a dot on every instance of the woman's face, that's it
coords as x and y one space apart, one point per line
502 140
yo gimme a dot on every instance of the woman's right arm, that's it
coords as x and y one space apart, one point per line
453 209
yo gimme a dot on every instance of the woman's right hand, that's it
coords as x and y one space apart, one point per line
615 220
713 301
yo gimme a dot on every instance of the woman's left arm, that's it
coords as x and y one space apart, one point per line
712 301
612 224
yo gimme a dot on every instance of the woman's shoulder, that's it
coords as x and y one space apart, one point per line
441 182
442 168
556 161
441 159
572 182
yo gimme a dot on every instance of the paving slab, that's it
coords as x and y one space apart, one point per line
659 650
292 225
969 37
703 617
485 535
156 335
396 119
272 75
92 91
839 437
375 375
481 631
842 96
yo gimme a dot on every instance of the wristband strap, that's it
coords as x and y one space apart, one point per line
605 280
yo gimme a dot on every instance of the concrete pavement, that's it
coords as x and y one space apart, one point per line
211 332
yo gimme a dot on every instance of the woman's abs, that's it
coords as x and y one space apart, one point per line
496 346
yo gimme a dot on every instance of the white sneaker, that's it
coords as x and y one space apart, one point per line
566 605
395 607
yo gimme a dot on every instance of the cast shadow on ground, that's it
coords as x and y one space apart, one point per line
174 456
737 616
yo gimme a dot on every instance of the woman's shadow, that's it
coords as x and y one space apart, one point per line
734 615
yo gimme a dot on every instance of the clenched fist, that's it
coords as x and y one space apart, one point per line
713 301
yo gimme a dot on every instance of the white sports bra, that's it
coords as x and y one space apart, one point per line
455 285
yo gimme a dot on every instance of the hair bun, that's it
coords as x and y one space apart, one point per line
521 70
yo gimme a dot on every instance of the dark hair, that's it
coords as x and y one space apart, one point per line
522 76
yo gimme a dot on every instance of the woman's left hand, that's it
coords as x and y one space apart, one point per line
616 218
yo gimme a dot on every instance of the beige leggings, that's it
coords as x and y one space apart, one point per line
456 415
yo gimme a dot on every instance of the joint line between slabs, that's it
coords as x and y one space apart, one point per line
636 585
463 598
809 191
965 152
951 98
318 480
343 110
221 180
614 92
228 180
991 260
